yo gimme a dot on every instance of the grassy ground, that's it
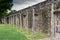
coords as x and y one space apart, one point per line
7 32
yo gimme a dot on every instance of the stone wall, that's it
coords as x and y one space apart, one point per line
42 17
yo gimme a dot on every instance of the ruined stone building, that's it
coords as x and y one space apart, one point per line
42 17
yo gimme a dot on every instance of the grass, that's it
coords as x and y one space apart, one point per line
8 33
12 33
37 35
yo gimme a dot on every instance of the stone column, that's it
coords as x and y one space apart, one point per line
27 22
52 19
20 21
33 25
5 22
13 20
16 21
9 20
2 20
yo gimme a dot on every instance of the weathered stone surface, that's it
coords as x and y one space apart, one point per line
42 15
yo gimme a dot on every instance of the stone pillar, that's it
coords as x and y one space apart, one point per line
27 22
5 22
2 20
52 19
13 20
20 21
33 25
16 22
9 20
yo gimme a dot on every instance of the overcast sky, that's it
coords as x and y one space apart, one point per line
20 4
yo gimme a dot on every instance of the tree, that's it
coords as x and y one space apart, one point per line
12 12
4 6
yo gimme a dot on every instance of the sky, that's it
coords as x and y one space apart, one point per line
21 4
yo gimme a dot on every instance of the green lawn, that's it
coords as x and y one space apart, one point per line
9 33
12 33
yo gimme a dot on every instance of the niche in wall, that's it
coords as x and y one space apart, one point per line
35 14
24 15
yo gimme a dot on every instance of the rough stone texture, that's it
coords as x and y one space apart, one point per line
42 16
46 19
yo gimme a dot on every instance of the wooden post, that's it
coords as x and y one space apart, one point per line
52 20
20 21
33 26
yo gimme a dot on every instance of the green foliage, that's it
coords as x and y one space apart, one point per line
12 12
4 6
